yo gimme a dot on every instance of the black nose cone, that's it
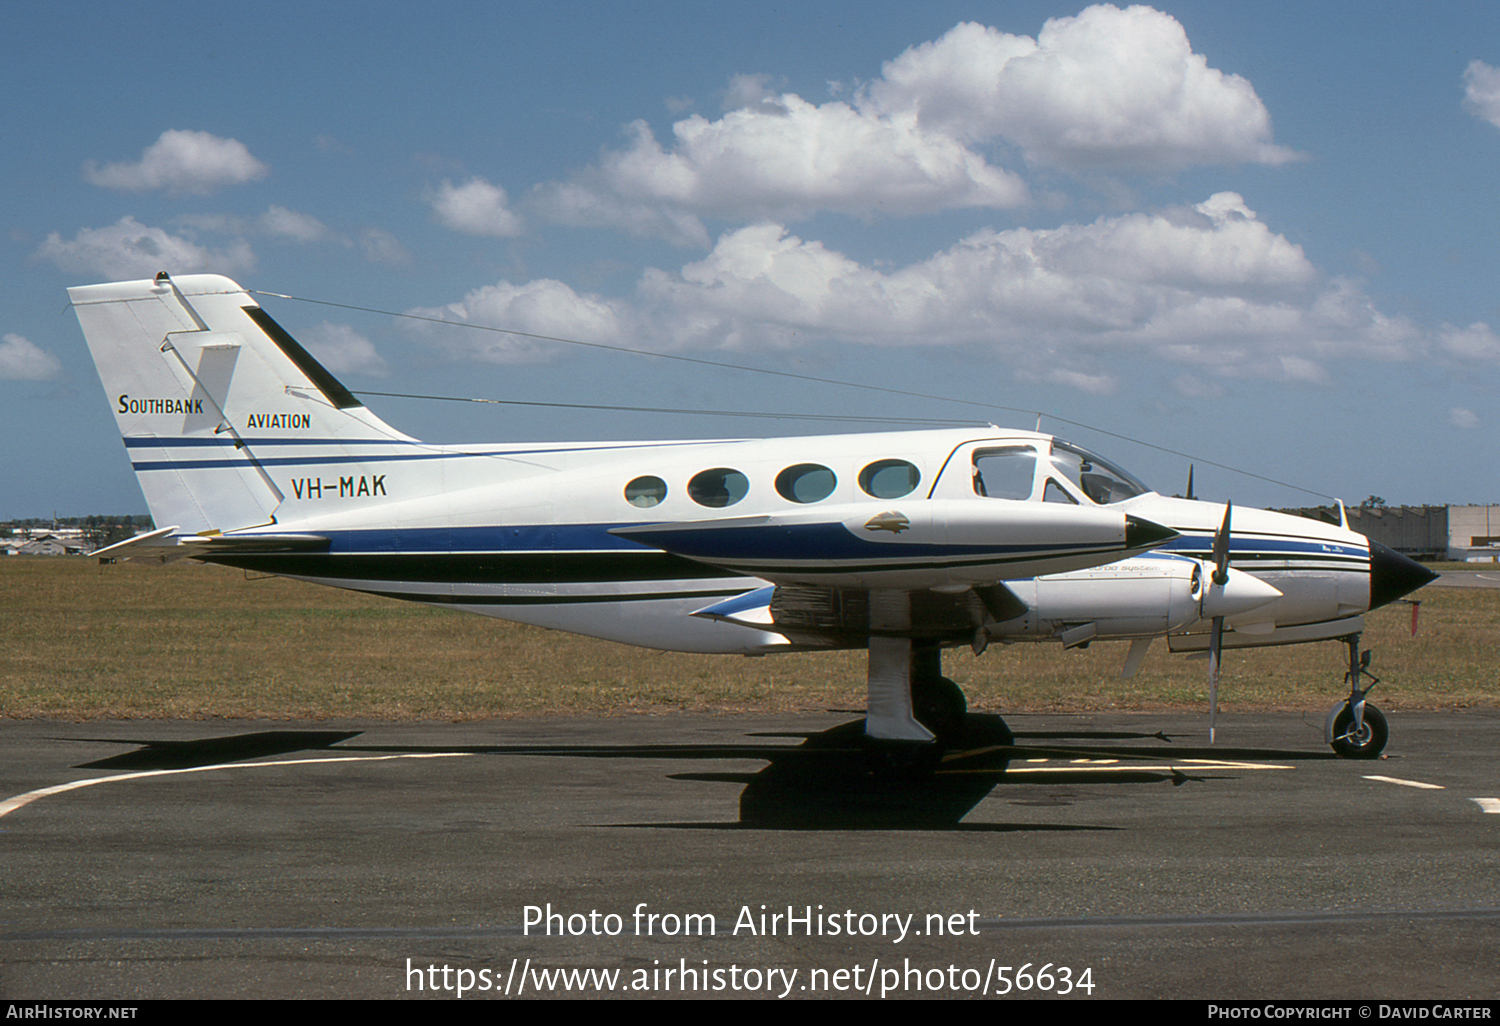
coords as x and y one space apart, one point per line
1141 533
1393 575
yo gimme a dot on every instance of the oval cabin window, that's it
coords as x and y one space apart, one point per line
645 492
806 482
718 488
890 479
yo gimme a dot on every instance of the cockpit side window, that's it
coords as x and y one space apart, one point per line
1100 480
1057 493
1007 473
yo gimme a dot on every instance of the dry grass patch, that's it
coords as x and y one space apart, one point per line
184 640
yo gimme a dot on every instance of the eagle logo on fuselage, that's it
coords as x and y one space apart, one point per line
889 521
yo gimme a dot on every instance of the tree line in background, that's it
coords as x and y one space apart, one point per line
98 530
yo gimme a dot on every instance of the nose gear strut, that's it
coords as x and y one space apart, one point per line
1356 729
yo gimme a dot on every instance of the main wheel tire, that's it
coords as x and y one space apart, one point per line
1369 742
940 706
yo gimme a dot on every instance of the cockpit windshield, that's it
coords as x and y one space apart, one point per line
1099 479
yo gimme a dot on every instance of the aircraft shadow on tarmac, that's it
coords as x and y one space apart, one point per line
828 782
211 751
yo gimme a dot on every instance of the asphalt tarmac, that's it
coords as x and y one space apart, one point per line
1107 856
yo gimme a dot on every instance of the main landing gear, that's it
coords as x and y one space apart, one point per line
913 712
940 706
1356 729
910 701
936 702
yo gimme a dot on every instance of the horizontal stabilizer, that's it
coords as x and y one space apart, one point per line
253 544
161 546
752 609
155 544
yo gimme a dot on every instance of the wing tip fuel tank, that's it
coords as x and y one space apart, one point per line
1142 534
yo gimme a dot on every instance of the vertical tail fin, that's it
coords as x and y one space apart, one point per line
206 388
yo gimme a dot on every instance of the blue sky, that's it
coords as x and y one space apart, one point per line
1265 234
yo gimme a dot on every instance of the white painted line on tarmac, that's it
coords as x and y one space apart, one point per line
1128 767
12 804
1487 804
1406 783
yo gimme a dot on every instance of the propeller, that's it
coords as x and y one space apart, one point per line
1216 637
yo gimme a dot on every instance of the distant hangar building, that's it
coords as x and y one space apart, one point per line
1464 533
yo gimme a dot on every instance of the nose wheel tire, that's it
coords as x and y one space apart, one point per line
1366 743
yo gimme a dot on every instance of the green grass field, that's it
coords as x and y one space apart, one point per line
84 641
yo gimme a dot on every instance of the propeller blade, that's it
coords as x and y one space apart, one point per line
1221 548
1138 649
1190 494
1215 649
1216 637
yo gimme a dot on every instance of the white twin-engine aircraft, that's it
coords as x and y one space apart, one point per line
904 543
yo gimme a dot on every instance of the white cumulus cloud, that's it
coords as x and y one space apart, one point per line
1460 417
784 161
1482 91
1208 289
344 351
541 307
376 244
1191 386
475 207
23 360
1475 344
290 224
276 222
191 163
1216 244
1198 286
129 249
381 247
1108 88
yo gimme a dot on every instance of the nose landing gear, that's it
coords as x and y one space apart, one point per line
1356 729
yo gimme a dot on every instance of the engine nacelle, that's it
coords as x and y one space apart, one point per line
1147 596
